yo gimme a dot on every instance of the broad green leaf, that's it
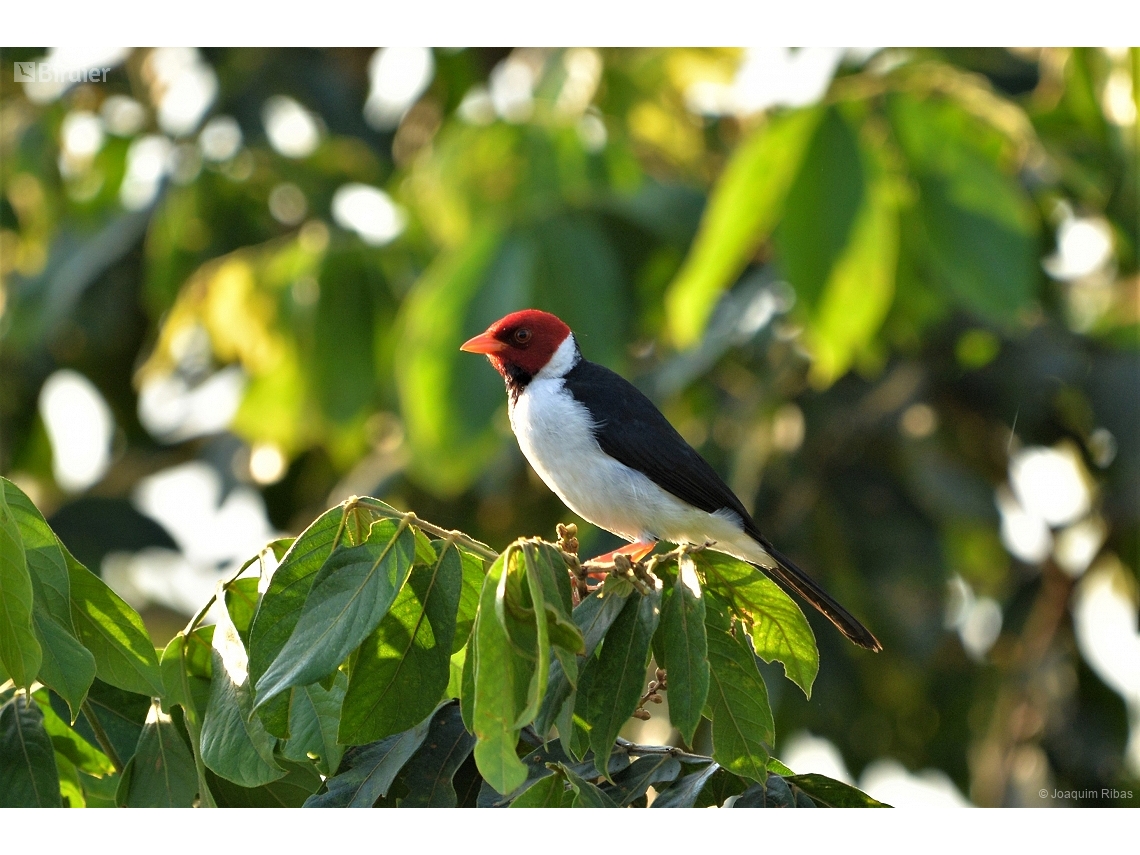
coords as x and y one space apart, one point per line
685 791
742 725
28 774
67 667
67 741
651 770
502 676
773 793
979 221
593 616
779 629
162 772
402 669
70 788
234 742
543 761
456 665
744 206
124 654
685 650
473 572
547 792
120 715
45 556
586 795
314 715
198 664
100 792
288 589
372 769
428 775
301 780
827 792
619 674
241 602
351 594
20 652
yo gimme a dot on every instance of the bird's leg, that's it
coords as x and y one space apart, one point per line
634 552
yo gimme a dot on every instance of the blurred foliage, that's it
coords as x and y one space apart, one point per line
856 308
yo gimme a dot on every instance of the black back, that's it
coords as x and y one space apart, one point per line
632 430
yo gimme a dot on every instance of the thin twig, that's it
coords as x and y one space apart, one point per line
677 753
378 507
101 736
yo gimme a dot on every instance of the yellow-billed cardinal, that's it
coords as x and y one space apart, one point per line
615 460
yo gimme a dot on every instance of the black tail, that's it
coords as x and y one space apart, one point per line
790 576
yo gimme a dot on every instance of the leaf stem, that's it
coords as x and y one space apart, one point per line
383 510
101 736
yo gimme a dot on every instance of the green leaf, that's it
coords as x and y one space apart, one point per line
685 650
44 554
289 587
28 774
502 677
779 629
743 208
67 741
301 780
403 667
474 570
234 742
241 603
162 772
351 594
685 791
199 666
124 654
314 715
631 784
67 667
773 793
70 788
619 675
547 792
979 221
371 770
593 616
545 761
428 776
20 652
742 725
586 795
827 792
119 714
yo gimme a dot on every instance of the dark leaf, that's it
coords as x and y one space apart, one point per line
67 741
685 649
120 714
586 795
371 770
685 791
619 675
314 716
162 772
301 781
428 776
28 774
630 784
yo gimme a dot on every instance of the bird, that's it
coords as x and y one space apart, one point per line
614 459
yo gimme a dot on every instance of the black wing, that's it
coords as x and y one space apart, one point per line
630 429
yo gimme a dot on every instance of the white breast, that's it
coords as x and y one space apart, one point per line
555 433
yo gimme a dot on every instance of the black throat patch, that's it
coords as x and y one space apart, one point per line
516 379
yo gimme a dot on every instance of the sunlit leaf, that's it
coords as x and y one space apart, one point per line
68 742
744 207
67 667
827 792
235 743
120 716
19 651
403 667
28 774
349 597
779 629
114 633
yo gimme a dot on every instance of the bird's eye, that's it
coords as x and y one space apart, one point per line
522 336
